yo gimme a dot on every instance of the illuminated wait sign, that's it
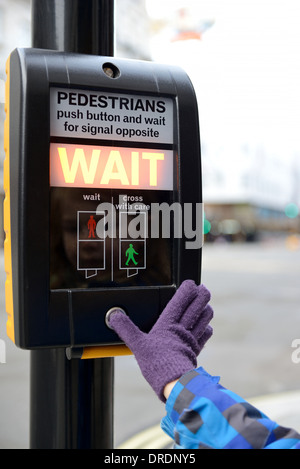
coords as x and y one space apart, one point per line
110 167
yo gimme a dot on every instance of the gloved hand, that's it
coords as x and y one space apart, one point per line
171 348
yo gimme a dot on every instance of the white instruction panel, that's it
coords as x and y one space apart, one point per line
111 116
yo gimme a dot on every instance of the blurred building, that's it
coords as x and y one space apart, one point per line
132 29
249 190
250 180
132 41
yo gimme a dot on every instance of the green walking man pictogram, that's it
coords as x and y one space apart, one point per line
130 255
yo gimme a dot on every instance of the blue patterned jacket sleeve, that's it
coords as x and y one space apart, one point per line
203 414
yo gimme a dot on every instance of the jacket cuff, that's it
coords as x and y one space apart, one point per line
187 388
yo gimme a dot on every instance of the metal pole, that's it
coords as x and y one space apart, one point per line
83 26
71 401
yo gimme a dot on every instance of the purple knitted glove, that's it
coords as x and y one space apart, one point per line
171 348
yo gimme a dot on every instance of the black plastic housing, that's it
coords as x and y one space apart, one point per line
76 317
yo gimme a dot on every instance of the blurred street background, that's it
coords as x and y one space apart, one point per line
243 59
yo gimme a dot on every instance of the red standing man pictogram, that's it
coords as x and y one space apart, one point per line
91 226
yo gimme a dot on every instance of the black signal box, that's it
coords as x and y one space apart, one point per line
103 195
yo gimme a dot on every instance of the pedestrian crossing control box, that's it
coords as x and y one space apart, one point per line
103 197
